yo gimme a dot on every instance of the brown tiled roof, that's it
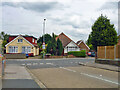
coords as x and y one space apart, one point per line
64 39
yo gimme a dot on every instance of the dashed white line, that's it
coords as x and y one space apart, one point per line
35 63
23 64
67 69
41 63
28 63
48 63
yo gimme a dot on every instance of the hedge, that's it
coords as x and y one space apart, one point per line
81 53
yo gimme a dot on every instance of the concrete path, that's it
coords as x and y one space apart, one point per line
17 77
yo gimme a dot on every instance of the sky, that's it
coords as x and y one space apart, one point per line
72 17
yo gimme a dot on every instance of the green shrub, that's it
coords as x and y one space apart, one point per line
81 53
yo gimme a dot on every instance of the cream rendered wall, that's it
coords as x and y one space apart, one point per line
16 43
73 45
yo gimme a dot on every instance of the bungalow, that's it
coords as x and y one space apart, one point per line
83 46
22 44
68 44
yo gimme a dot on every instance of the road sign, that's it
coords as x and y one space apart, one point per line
43 45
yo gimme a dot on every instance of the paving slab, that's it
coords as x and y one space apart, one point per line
19 83
16 72
17 77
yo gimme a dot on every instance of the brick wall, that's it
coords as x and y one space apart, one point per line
15 56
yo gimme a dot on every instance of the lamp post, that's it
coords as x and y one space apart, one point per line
44 38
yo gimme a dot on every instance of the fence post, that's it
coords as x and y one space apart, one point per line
114 51
105 52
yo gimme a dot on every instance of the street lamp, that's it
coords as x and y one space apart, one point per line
43 37
44 30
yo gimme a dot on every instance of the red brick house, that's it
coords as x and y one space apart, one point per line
82 45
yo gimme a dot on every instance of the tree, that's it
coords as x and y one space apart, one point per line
54 44
49 47
4 37
89 40
59 47
47 39
89 43
103 33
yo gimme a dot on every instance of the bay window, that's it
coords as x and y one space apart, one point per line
13 49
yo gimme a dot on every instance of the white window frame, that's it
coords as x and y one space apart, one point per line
33 40
20 40
13 49
27 49
72 48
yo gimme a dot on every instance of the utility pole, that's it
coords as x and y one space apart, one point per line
44 38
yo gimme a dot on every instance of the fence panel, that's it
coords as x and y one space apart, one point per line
112 52
101 52
109 52
118 51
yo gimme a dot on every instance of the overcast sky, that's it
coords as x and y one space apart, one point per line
73 17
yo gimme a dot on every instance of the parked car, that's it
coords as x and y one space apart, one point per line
89 53
27 55
92 54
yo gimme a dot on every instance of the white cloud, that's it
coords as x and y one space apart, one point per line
73 17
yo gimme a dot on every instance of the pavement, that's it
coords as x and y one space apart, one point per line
101 66
17 77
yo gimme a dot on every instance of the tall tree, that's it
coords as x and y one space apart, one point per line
47 39
103 33
54 44
49 47
59 47
89 40
4 37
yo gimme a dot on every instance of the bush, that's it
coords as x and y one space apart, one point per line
81 53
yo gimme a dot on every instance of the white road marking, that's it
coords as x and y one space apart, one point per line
100 78
67 69
35 63
23 64
28 63
48 63
92 76
41 63
101 75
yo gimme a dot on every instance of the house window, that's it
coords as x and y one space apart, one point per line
71 48
26 49
20 40
33 40
13 49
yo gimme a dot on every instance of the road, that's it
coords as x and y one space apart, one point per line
67 73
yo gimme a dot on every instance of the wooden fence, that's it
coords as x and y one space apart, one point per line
108 52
